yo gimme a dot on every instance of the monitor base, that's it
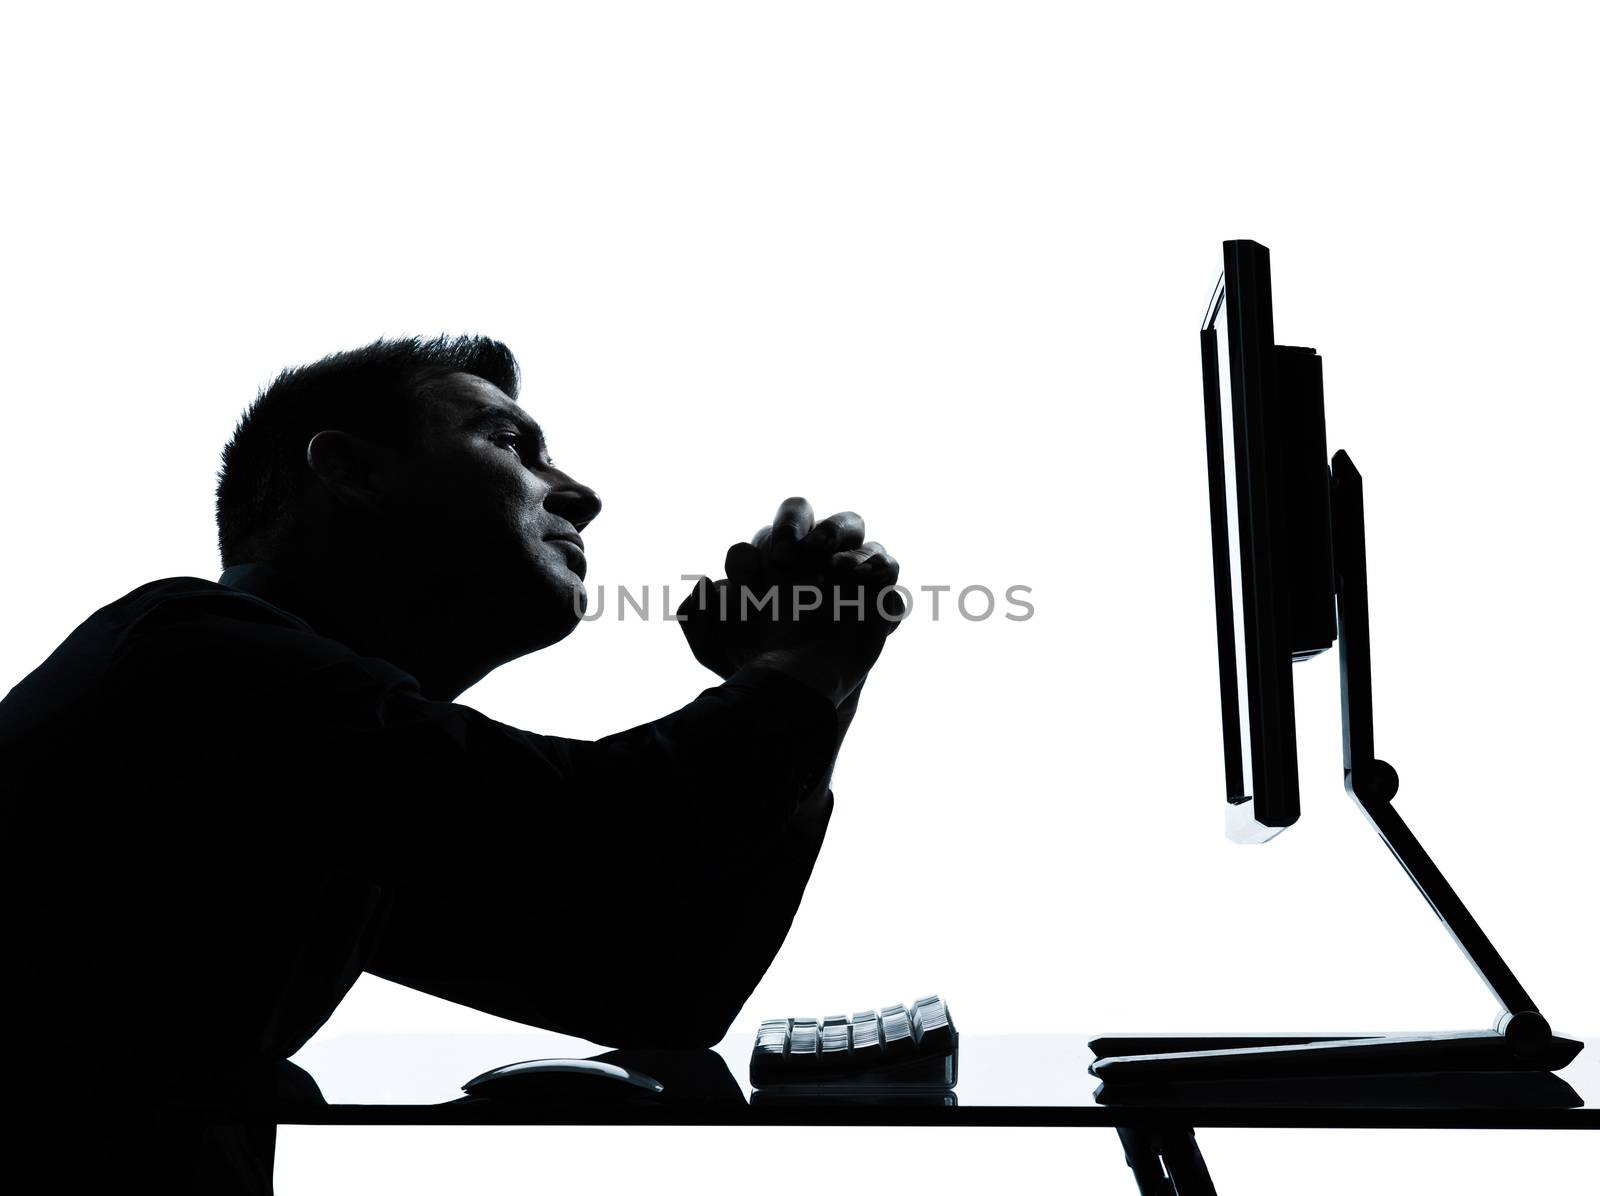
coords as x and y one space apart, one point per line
1521 1042
1176 1058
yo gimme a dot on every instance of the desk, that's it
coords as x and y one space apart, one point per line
1004 1080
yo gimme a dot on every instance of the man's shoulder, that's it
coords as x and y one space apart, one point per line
213 627
170 600
171 643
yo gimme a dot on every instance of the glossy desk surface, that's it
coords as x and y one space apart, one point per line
1002 1080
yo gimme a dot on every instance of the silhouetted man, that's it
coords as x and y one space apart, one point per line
229 798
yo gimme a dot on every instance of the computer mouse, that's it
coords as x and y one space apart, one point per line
563 1082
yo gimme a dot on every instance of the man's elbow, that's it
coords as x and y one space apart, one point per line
676 1026
690 1019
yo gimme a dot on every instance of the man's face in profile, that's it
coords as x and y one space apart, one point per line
487 511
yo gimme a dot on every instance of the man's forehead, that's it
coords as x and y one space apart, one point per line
457 400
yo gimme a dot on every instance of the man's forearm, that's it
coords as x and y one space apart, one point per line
835 674
672 885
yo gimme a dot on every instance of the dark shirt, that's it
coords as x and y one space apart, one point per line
218 818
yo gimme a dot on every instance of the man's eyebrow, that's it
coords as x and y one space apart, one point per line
485 416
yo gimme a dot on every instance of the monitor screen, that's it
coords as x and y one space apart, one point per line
1270 536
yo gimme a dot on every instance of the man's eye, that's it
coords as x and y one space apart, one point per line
512 440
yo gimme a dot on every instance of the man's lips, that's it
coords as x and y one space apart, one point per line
578 564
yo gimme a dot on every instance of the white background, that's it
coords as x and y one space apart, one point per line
943 264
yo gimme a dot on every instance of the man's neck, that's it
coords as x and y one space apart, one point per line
368 618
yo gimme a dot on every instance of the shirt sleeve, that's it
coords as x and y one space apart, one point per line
343 753
648 883
630 890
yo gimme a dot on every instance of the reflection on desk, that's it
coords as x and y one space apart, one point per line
1453 1090
1005 1080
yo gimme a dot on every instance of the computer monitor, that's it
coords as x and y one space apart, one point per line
1298 524
1267 456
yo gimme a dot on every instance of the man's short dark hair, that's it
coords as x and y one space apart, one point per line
369 392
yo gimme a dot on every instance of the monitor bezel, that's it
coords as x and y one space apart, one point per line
1271 800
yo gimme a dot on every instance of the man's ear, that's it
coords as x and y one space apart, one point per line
350 468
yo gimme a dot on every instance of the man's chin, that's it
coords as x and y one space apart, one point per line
553 617
573 608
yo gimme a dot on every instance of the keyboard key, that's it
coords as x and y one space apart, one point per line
930 1024
896 1028
835 1037
865 1035
773 1037
804 1038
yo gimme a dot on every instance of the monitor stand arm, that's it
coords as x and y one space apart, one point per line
1520 1041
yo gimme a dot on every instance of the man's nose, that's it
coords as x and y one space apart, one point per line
575 502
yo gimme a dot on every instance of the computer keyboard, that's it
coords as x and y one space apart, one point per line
899 1047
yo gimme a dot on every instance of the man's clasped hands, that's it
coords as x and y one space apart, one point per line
815 600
